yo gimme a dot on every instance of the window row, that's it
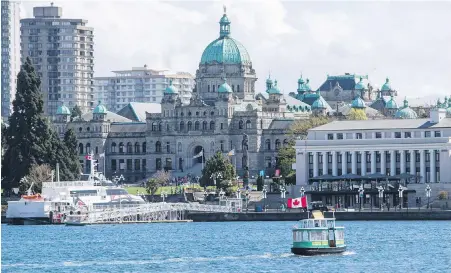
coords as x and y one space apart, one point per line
378 157
128 164
277 144
121 148
371 135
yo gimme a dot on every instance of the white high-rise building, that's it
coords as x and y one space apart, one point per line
62 51
10 53
140 84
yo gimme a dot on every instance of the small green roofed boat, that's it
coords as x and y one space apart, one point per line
318 235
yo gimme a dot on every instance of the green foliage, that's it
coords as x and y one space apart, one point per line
357 114
37 175
75 113
443 195
29 139
287 155
217 164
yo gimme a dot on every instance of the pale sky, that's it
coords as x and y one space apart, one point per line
407 41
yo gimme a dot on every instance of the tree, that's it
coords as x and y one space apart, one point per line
37 175
163 177
215 165
76 112
152 185
287 154
70 141
357 114
30 140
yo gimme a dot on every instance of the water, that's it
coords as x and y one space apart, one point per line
222 247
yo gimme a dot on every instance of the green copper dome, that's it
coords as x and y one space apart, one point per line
274 89
448 109
171 89
358 103
386 86
225 50
303 86
391 104
406 112
100 109
225 88
319 103
360 85
63 110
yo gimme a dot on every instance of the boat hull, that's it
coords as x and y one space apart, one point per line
317 251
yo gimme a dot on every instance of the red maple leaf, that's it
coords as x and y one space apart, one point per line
296 202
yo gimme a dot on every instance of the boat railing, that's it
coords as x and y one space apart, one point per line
317 223
67 184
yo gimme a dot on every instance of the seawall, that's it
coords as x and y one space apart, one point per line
340 216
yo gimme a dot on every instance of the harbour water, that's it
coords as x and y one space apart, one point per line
373 246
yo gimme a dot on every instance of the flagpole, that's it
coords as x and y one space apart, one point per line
202 158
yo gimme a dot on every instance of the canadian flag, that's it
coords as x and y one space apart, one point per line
300 202
88 157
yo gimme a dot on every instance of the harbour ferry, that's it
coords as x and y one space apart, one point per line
318 235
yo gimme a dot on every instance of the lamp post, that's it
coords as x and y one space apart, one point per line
163 195
282 194
264 197
247 200
238 194
400 191
205 195
381 195
361 191
302 192
221 194
215 177
428 194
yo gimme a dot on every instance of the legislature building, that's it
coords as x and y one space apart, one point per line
225 113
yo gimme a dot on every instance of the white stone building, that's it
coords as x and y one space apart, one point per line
140 84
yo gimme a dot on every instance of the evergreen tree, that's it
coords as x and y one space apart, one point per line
217 164
70 141
30 140
75 113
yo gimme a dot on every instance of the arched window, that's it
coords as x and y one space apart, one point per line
154 126
113 147
80 129
190 126
233 88
261 124
285 142
179 147
212 125
241 125
189 114
88 148
197 125
137 148
208 87
238 88
214 88
97 150
204 125
268 144
80 148
160 125
248 124
129 147
144 147
212 113
121 147
158 147
212 147
167 127
182 125
205 113
277 144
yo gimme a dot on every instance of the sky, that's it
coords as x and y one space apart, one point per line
407 41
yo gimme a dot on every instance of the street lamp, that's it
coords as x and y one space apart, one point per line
302 191
400 191
428 194
205 196
215 177
238 194
264 197
282 195
361 191
163 195
221 194
381 195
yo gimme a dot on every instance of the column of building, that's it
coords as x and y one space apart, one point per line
413 169
344 163
422 166
354 161
383 168
315 164
392 162
334 164
363 163
403 161
373 161
432 167
325 161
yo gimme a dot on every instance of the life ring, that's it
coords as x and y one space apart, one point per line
31 197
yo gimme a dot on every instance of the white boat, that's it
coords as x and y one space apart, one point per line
64 198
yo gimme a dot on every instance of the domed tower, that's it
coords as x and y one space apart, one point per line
448 109
391 107
99 112
406 112
63 114
225 57
170 94
319 106
269 83
358 103
387 90
303 88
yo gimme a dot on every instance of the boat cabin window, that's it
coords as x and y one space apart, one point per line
339 234
116 192
83 193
